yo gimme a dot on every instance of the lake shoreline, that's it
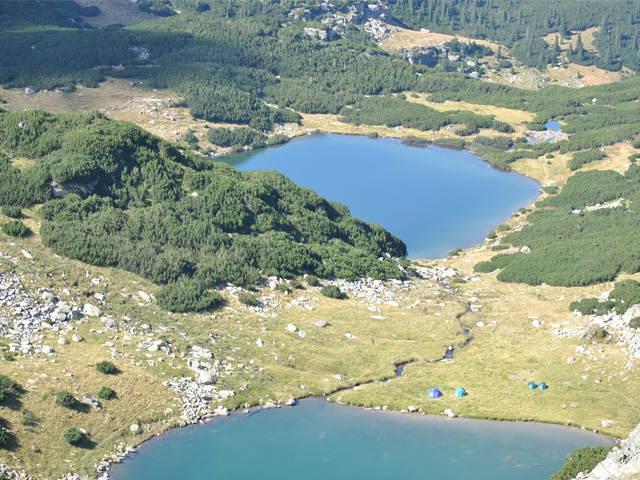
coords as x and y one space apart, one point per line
426 418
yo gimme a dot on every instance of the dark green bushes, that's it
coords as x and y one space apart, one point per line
226 137
634 322
188 295
15 228
312 280
106 393
248 299
73 436
65 399
142 217
582 158
581 460
582 248
331 291
12 211
106 367
551 189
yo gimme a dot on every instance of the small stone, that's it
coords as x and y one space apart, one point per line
290 403
571 359
350 336
99 296
260 343
412 409
321 323
47 349
63 341
291 328
302 334
77 338
269 405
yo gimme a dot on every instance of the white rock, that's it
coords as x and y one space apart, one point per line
302 334
290 403
525 249
26 254
144 296
221 411
606 423
77 338
270 405
99 296
260 343
412 409
291 328
350 336
91 310
47 349
571 359
449 413
63 341
134 428
206 378
392 303
95 281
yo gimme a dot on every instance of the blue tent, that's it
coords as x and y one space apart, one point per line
435 393
542 386
532 385
460 392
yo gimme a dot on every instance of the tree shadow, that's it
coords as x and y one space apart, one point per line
81 407
10 440
86 443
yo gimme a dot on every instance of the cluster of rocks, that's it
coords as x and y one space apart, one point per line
622 462
18 473
536 137
120 451
628 338
23 319
195 398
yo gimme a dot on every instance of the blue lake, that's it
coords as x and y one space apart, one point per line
434 199
555 126
321 440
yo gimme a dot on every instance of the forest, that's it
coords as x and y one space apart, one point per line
182 222
571 246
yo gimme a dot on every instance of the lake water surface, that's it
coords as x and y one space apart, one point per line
434 199
318 440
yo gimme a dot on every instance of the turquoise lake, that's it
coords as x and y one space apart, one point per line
434 199
318 440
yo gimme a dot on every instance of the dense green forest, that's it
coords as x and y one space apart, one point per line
520 24
174 218
571 246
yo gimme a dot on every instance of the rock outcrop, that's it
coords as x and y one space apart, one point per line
622 463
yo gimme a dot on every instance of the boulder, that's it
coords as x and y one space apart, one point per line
321 324
47 349
77 338
206 378
291 328
63 341
144 296
91 310
134 428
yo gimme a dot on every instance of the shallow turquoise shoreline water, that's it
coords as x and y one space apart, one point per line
435 199
320 440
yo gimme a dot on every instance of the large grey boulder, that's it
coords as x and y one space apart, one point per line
622 463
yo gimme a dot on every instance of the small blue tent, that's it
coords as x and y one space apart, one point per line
532 385
435 393
460 392
542 386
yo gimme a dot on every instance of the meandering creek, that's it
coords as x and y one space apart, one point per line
436 200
